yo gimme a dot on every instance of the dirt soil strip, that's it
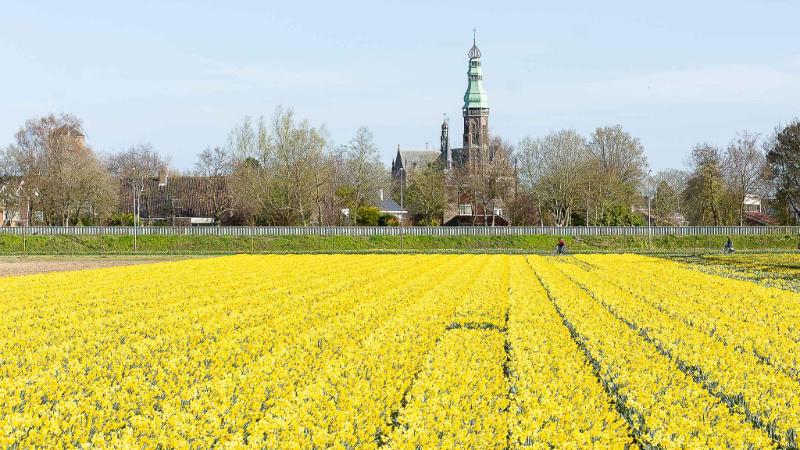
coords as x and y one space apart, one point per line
11 267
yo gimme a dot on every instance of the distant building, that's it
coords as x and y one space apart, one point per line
468 160
408 161
386 205
13 201
754 213
175 201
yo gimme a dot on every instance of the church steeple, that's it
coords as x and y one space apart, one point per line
476 107
446 153
475 97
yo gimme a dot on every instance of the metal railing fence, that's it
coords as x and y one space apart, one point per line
398 231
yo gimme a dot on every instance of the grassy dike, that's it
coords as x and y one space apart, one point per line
199 245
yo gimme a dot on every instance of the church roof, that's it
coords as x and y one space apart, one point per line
417 158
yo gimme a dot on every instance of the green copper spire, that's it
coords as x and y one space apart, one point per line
475 97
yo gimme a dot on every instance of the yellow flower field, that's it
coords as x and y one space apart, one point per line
399 352
776 270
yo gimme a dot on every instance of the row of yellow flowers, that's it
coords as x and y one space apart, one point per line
557 400
461 395
664 406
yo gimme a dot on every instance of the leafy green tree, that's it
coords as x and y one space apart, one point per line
705 188
618 214
388 220
783 157
368 216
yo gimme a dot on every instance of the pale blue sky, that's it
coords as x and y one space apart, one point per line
180 74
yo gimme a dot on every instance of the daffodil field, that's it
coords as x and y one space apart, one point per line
400 352
776 270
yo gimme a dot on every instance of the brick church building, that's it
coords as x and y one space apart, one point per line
468 168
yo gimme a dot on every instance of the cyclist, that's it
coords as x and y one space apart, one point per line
561 248
728 246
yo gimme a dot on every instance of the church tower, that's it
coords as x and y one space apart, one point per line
446 152
475 110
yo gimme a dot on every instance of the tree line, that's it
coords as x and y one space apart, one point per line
286 171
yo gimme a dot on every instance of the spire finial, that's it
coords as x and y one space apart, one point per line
474 53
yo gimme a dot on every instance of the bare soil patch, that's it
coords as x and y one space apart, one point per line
26 266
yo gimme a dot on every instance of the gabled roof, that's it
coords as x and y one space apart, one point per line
759 218
412 159
389 205
180 196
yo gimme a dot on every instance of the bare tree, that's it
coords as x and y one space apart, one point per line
553 168
668 201
618 169
276 169
60 176
135 167
490 179
216 165
366 174
744 164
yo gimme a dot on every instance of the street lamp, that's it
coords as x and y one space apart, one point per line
649 225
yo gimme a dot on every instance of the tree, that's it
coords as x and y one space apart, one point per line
216 165
618 167
366 174
668 199
705 187
744 164
134 167
368 216
60 177
425 193
490 180
276 169
553 168
11 189
783 157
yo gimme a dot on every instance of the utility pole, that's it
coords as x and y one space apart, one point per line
649 225
135 215
402 207
588 200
